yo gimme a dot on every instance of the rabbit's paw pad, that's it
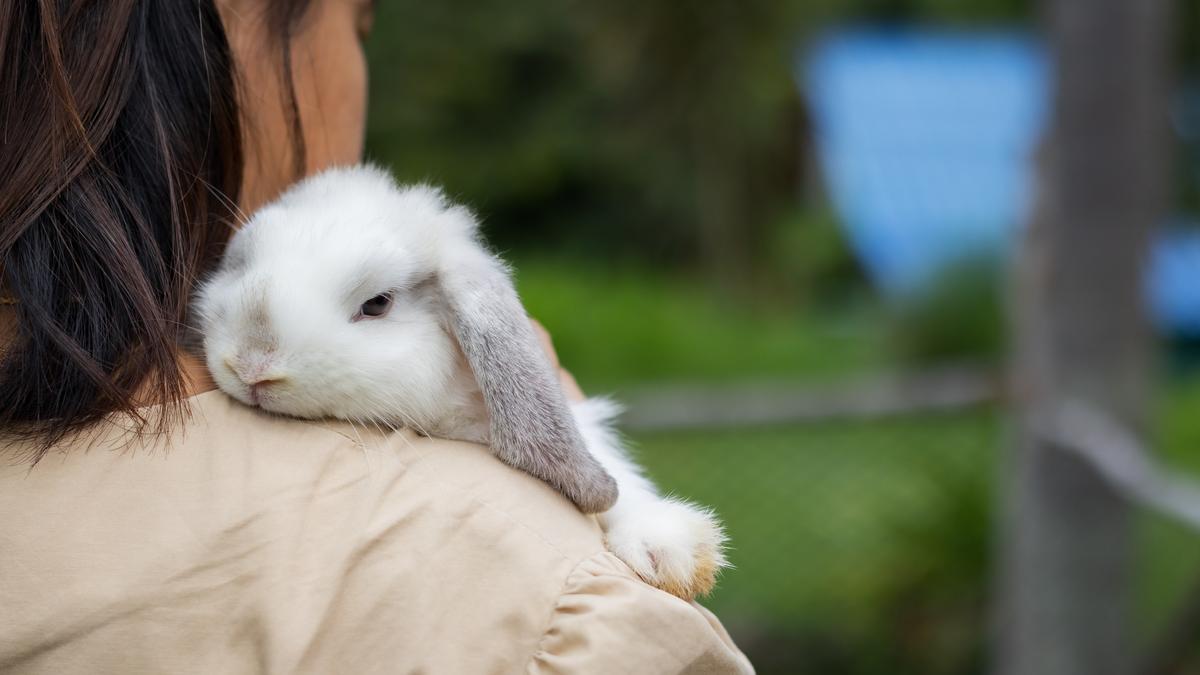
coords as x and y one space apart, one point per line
675 546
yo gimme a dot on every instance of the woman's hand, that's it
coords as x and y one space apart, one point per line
569 385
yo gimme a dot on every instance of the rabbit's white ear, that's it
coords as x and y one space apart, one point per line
532 428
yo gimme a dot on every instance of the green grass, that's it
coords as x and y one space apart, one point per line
618 326
1169 553
812 512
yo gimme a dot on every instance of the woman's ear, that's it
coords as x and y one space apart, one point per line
532 428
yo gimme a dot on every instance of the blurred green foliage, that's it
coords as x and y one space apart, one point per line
620 127
808 257
961 317
621 324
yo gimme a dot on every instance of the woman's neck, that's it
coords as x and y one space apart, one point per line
195 374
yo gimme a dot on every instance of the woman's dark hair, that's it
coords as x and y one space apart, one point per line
120 168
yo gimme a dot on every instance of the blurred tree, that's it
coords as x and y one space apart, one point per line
486 98
927 11
651 127
1082 336
703 93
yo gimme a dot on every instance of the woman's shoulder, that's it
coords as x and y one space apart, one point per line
344 547
492 558
407 473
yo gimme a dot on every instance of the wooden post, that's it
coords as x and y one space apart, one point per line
1063 589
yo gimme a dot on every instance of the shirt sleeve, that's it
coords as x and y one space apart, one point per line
608 621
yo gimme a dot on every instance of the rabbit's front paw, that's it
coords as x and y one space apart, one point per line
675 546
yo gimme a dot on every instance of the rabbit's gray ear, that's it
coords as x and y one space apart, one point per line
532 428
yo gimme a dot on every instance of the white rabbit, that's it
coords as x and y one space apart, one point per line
353 298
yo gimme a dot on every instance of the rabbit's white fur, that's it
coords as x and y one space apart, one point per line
282 310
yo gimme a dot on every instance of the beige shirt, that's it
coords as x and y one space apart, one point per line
256 544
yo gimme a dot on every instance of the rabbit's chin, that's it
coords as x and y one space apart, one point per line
451 409
285 405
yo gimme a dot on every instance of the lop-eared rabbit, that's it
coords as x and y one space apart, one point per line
352 297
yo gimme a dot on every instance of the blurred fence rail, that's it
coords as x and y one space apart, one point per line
707 407
1128 466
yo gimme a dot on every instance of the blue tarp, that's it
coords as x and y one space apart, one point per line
926 141
1174 282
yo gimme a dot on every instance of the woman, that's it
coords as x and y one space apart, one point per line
150 524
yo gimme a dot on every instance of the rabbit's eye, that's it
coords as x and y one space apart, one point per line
377 306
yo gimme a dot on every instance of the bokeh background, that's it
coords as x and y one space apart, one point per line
807 340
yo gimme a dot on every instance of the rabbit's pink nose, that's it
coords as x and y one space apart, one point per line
252 369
